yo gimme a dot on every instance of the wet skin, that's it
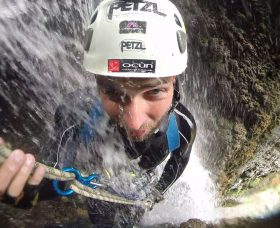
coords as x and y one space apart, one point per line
137 105
15 173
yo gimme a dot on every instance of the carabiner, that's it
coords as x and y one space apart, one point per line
87 181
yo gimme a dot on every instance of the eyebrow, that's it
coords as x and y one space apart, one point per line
151 84
139 85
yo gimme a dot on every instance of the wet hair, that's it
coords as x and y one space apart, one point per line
102 80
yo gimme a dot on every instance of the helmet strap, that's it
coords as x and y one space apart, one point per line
176 96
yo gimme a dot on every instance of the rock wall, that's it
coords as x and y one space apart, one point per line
233 76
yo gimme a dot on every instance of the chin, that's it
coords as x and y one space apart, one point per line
143 138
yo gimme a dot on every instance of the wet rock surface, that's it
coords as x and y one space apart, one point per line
234 75
39 62
265 161
52 214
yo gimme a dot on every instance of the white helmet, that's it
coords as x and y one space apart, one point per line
136 38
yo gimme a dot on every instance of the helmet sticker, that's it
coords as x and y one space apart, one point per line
132 65
132 6
114 65
132 45
133 27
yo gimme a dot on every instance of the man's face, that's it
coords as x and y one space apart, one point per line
136 104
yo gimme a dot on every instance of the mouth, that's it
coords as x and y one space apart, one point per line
137 133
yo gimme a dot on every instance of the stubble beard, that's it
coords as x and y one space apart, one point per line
149 127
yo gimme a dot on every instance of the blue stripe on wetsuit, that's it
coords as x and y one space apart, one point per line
173 137
87 132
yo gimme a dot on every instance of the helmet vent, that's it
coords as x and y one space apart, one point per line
88 38
93 18
182 41
177 20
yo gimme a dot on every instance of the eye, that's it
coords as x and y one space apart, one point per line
114 95
155 91
111 92
156 94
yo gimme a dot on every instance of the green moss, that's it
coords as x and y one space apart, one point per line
254 183
204 40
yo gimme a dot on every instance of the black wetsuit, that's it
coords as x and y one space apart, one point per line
79 123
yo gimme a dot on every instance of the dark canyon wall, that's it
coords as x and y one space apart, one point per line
234 74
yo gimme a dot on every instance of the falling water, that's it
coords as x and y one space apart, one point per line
41 51
192 196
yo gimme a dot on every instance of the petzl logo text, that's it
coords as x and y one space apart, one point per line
130 6
132 45
133 27
114 65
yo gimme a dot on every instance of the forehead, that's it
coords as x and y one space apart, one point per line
137 83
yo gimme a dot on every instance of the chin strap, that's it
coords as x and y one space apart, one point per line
176 96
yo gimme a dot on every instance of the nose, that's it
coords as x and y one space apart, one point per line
134 113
